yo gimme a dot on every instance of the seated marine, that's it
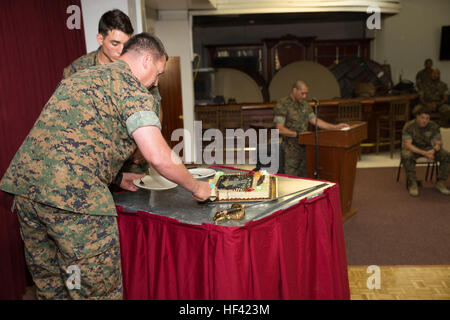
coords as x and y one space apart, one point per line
422 138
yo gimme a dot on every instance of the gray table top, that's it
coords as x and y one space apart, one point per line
178 203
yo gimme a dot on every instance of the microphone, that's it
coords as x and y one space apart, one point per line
316 107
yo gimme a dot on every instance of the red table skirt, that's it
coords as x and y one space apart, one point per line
296 253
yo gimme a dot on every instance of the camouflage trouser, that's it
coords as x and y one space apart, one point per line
294 157
444 113
60 245
409 162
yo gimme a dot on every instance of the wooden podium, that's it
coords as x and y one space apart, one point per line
338 153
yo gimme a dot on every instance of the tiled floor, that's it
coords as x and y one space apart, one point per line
383 159
400 283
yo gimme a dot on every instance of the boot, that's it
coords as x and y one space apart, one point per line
413 189
440 185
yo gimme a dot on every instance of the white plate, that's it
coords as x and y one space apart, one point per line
199 173
154 182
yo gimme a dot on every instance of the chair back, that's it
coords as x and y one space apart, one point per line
349 111
231 117
208 115
399 110
445 136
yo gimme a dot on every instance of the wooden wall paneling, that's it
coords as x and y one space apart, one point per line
279 52
171 99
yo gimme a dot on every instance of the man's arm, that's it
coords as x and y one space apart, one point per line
429 154
285 131
155 150
327 126
444 99
437 144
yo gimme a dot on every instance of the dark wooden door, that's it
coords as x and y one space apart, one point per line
171 99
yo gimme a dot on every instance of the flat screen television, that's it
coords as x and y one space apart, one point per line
445 43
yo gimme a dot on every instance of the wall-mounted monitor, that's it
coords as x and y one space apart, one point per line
445 43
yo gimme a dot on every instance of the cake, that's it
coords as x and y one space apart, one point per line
242 186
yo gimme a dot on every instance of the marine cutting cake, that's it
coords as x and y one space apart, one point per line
243 186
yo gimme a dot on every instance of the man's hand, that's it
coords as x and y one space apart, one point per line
340 126
202 192
430 154
127 180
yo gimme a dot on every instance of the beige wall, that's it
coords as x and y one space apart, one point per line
175 32
408 38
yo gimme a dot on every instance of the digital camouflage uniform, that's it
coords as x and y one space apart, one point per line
49 261
83 62
61 174
434 91
90 60
423 138
422 77
294 116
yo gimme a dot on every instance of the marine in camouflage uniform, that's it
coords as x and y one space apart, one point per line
90 60
423 138
424 75
295 116
60 176
434 93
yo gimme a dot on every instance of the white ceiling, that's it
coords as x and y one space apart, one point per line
273 6
181 4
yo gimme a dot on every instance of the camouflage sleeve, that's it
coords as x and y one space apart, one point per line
142 119
280 113
138 107
436 134
406 132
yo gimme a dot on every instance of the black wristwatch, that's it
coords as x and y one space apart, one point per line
118 180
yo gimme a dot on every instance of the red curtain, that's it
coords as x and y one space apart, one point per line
35 46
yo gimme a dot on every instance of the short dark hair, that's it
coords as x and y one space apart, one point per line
146 42
421 110
115 20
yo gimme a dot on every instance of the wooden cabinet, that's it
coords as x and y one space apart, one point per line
330 52
282 51
245 57
262 61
